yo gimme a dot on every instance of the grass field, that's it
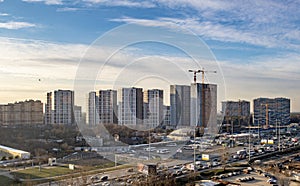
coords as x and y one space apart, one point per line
6 181
49 172
44 173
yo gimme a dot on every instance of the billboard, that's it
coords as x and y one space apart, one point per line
270 142
264 141
205 157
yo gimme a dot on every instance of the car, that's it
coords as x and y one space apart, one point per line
106 183
214 164
95 178
176 167
130 170
178 172
104 178
272 182
239 179
205 167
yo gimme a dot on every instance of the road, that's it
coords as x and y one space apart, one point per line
77 178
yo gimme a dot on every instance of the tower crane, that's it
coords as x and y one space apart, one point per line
267 114
203 74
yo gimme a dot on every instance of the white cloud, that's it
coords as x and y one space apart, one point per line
47 2
206 29
16 25
262 23
125 3
4 14
67 9
197 4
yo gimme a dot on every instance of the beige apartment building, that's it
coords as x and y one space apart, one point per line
24 112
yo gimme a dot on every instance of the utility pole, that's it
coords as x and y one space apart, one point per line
279 139
259 125
239 113
267 116
249 141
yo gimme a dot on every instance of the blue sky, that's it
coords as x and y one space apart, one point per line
256 43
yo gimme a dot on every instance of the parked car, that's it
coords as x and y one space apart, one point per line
104 178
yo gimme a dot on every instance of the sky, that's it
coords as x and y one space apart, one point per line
92 44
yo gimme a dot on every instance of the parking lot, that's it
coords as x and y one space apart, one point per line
259 180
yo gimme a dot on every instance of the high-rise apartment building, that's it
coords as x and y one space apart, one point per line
130 106
93 109
48 109
78 115
204 105
268 111
24 112
108 106
239 108
236 114
167 117
180 100
153 99
63 107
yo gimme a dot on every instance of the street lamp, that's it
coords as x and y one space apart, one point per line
269 120
258 127
249 139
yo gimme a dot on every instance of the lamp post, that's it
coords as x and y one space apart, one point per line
269 116
279 134
249 139
195 148
258 128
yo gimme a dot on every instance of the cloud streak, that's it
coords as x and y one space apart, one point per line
67 9
47 2
121 3
14 25
205 29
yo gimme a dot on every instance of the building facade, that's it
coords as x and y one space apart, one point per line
48 109
25 113
64 107
167 117
235 115
93 109
239 108
78 119
204 105
268 111
180 100
130 106
153 100
108 106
